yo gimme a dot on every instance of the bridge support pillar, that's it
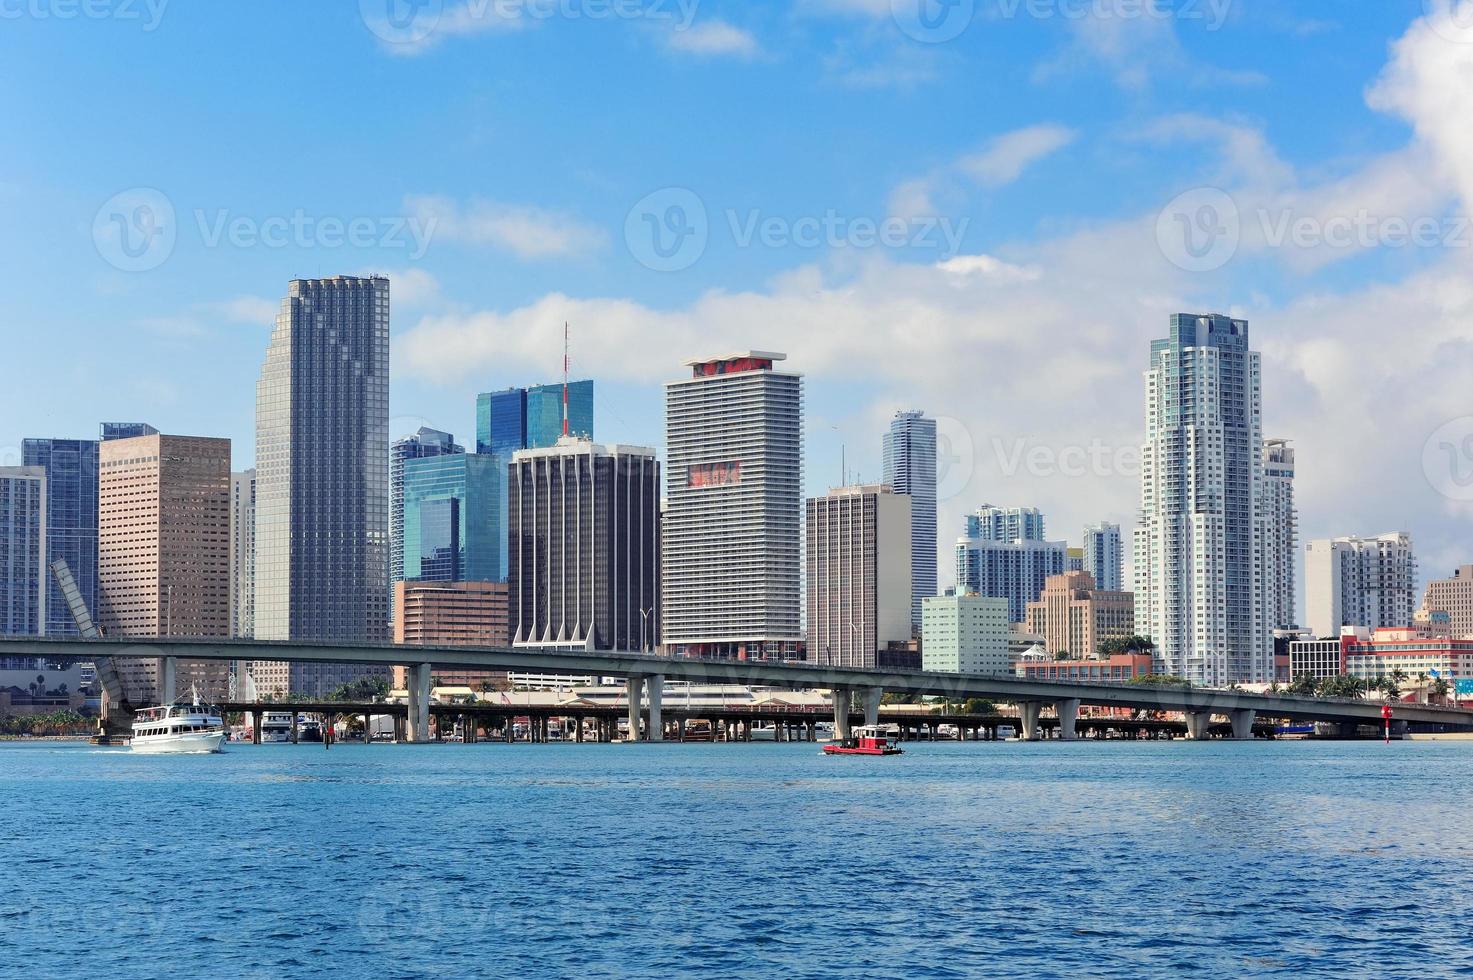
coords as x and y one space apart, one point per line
1243 720
256 718
636 695
296 727
1198 724
656 685
1028 715
418 727
872 698
1068 710
841 713
168 680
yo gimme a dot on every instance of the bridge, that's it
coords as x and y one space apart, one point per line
645 676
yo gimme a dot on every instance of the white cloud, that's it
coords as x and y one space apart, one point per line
1006 157
426 31
530 232
987 265
713 38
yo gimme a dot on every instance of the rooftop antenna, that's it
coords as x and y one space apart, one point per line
565 379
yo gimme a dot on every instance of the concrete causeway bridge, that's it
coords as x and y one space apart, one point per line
645 676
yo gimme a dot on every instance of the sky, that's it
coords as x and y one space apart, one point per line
985 209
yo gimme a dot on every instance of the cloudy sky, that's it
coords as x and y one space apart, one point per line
984 209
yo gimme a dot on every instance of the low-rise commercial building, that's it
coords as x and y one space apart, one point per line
965 634
1075 617
1117 669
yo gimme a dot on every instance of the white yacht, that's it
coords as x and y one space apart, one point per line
179 728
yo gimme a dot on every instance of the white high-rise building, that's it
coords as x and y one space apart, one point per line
733 529
1005 524
1280 535
859 588
909 453
1351 581
1102 556
242 553
1198 585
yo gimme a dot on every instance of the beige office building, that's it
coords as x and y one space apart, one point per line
476 614
163 553
1074 617
1453 596
859 568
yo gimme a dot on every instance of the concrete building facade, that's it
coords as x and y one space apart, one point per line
733 527
859 568
965 634
453 614
1103 556
1360 581
1280 535
23 558
1074 617
1454 596
1012 570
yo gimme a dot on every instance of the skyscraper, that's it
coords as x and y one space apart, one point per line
909 456
1454 596
734 508
1075 617
452 526
71 521
585 543
1354 581
1005 524
1013 570
425 443
1199 593
23 557
859 589
322 486
531 418
1280 535
242 553
1102 555
163 560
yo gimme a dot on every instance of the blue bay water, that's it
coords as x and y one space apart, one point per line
1101 859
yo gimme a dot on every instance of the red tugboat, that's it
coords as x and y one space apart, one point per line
867 740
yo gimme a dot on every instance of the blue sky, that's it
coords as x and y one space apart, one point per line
1049 139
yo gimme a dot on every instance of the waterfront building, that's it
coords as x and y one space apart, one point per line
71 521
242 553
1404 654
1103 555
322 485
1118 668
1198 588
1074 617
1280 535
453 614
909 458
1359 581
423 444
163 553
1453 596
23 557
965 634
859 589
452 527
1005 524
584 540
1014 570
734 509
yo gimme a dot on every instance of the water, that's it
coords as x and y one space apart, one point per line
1103 859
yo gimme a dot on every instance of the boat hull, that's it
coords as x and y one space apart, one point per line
855 750
187 743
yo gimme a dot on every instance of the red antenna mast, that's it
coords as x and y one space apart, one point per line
565 379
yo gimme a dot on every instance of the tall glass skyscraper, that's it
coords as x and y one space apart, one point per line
23 571
1198 579
424 444
71 521
531 418
909 453
322 482
452 527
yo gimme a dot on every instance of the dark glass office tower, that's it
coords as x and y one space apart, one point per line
71 521
322 482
